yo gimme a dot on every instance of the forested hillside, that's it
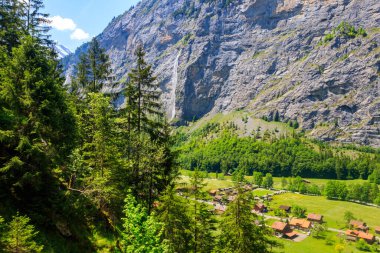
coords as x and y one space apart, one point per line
218 147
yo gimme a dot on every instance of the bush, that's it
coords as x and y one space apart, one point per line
362 245
298 211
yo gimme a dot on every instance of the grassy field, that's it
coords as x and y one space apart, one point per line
211 184
245 127
333 211
313 245
319 182
261 192
276 180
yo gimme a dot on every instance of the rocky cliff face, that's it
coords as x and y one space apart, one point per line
267 56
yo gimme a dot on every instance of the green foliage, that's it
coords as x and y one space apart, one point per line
284 182
257 178
348 216
344 30
239 232
218 148
363 245
318 230
268 181
144 98
365 192
202 225
299 211
142 233
280 213
93 69
20 236
375 176
173 212
336 190
37 125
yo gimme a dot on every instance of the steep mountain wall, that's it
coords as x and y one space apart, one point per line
262 55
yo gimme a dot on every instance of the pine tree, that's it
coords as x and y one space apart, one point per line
147 134
37 125
83 72
2 232
104 180
36 22
239 230
99 66
141 233
93 68
268 181
10 23
20 236
173 212
202 221
147 98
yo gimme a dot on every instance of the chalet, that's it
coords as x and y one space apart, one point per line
219 209
285 208
282 229
354 235
231 198
301 224
377 230
218 198
260 207
359 225
212 192
247 187
315 217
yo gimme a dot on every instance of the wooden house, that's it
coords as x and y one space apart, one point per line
219 209
212 192
301 224
280 227
315 217
354 235
359 225
285 208
283 229
260 207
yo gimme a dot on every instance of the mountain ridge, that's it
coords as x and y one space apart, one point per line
268 57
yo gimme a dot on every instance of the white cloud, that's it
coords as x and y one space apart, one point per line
62 24
79 34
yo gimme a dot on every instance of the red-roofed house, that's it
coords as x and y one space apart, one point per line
359 225
285 208
280 227
315 217
300 224
283 229
354 235
260 207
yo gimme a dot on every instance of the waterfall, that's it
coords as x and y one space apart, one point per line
174 84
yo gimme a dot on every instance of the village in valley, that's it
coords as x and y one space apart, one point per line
292 222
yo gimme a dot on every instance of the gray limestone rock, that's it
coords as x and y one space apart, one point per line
263 55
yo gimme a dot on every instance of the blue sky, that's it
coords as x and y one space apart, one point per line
77 21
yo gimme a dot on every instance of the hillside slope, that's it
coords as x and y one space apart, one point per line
263 55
